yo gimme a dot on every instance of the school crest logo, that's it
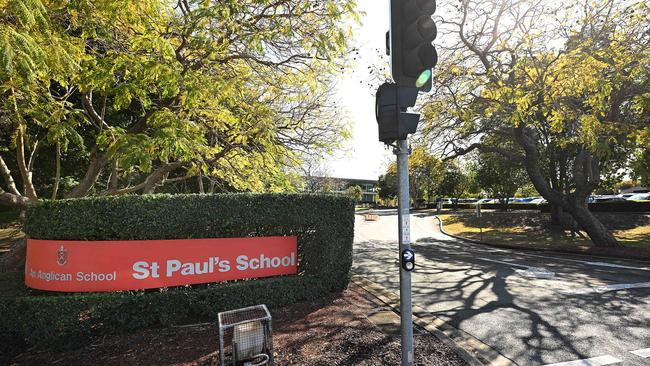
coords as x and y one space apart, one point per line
62 256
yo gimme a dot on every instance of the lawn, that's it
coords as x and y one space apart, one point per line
531 229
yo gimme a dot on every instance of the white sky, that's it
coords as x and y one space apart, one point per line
365 157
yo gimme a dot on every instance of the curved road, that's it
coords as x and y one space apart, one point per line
592 311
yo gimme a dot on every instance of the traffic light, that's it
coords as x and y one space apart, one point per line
411 32
391 103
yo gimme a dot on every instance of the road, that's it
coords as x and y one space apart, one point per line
586 311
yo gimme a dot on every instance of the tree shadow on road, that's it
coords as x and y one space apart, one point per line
481 300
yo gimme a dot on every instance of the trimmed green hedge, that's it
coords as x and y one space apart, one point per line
324 226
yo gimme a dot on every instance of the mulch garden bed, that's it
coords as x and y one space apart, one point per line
331 331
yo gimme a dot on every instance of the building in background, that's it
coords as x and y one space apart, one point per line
341 185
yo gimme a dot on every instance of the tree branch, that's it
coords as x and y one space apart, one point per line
9 180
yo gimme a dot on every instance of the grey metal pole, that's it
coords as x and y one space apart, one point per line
405 306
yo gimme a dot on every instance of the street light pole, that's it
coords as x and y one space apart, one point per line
403 204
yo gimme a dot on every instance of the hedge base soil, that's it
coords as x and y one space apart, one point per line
332 331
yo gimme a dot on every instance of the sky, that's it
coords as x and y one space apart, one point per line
364 157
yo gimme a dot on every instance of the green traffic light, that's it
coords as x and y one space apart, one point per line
423 78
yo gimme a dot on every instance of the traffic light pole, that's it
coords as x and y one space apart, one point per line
403 204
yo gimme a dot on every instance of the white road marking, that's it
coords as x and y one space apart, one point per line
535 272
607 288
597 264
596 361
645 353
613 265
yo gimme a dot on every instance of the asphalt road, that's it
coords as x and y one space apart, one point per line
586 311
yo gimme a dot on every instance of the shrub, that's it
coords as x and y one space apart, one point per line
324 226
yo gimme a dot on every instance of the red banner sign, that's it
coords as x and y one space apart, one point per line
83 266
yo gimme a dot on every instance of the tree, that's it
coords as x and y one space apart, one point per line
641 154
571 97
355 192
499 177
527 190
425 174
387 184
118 98
454 183
316 176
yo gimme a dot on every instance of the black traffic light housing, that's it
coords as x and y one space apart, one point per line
408 260
411 32
391 103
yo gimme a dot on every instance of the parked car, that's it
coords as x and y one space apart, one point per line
639 197
538 201
608 198
527 199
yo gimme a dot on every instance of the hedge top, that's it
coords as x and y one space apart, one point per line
187 216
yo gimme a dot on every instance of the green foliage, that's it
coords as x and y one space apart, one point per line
235 90
587 93
498 176
355 192
324 226
527 190
455 183
425 174
387 185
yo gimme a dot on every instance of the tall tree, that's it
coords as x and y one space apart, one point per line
425 174
499 177
455 183
387 184
567 85
124 96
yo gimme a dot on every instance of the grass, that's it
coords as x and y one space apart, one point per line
531 229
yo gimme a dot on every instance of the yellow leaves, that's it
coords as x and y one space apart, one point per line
589 126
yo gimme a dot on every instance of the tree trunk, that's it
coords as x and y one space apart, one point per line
15 258
97 163
57 178
25 172
158 176
557 215
600 236
576 207
13 200
199 179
